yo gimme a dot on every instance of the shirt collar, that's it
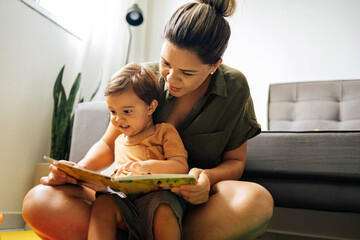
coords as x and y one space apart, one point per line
168 95
218 84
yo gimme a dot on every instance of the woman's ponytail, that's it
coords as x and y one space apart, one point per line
225 7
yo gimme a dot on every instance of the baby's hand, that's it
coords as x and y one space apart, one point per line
133 168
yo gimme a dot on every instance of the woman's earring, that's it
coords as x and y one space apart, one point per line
212 73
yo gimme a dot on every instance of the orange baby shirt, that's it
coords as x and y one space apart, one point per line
162 144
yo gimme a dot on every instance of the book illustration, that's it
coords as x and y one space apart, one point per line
138 184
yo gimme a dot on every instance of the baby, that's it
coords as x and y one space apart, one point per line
141 148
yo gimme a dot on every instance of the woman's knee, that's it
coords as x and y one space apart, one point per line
249 200
35 200
43 201
262 205
261 201
246 195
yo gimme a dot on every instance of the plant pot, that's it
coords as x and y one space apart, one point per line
41 170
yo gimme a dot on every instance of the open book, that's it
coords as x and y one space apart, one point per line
128 185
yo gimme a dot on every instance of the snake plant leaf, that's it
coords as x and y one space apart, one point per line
59 91
58 95
74 90
63 117
69 136
81 98
69 105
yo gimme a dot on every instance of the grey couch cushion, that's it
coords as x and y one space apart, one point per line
333 155
90 123
323 105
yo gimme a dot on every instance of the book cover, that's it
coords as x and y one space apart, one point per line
138 184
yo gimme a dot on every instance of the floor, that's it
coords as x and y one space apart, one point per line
23 235
30 235
276 236
287 224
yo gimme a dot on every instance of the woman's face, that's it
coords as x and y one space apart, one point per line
182 70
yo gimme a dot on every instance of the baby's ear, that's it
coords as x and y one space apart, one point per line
152 107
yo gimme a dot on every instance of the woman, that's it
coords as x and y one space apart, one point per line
210 105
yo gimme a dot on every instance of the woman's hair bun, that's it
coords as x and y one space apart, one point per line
225 7
201 27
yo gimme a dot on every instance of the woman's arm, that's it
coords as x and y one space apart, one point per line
232 167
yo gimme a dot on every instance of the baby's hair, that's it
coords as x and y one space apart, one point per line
142 80
201 27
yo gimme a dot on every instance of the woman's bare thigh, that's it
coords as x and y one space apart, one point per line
60 212
236 209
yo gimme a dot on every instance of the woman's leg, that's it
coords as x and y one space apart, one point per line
105 219
235 210
59 212
166 225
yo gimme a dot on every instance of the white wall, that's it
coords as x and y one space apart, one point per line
299 40
147 38
32 51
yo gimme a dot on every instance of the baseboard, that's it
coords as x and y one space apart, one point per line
12 220
315 224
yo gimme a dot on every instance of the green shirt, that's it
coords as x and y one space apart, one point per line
221 121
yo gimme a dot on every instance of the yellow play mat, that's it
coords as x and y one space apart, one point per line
19 235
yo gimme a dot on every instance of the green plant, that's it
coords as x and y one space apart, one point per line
63 116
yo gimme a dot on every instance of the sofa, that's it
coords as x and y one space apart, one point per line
309 159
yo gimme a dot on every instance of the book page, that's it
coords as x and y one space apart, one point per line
82 174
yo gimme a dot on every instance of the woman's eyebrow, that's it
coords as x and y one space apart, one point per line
164 60
184 70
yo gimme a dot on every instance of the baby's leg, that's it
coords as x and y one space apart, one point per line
166 225
105 219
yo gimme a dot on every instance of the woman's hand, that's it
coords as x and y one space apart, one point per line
58 177
198 193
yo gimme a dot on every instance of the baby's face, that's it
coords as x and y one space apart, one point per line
129 113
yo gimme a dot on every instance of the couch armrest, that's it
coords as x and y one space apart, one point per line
90 122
